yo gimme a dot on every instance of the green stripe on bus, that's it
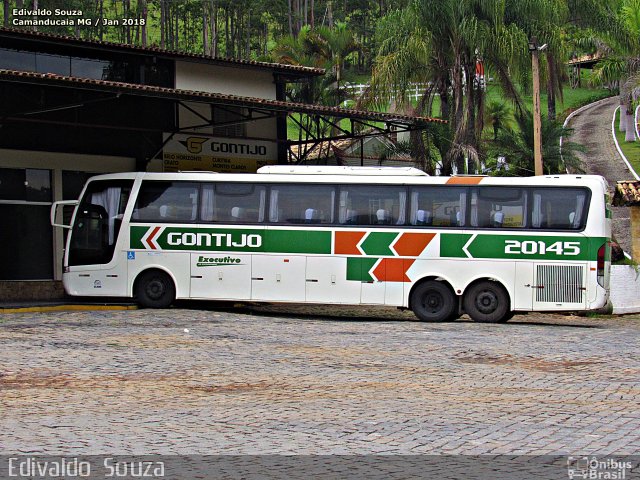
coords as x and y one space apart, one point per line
297 241
358 268
519 247
232 240
451 244
135 237
378 243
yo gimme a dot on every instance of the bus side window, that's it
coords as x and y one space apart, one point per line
499 207
232 202
369 205
438 206
559 208
302 204
160 201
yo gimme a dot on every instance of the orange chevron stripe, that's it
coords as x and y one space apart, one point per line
346 243
464 180
412 244
393 270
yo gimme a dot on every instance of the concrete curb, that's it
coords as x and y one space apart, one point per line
615 140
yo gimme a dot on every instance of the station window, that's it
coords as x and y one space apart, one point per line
26 239
232 121
232 203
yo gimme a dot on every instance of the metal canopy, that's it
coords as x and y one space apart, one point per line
317 123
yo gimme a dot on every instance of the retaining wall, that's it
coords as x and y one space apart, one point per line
625 289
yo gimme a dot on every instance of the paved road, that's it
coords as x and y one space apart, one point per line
592 128
278 380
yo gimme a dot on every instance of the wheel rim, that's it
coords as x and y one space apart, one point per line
487 301
155 289
433 302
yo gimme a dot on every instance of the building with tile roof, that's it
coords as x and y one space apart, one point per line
73 108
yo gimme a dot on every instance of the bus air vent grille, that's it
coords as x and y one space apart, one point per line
560 283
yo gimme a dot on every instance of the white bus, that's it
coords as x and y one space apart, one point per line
441 246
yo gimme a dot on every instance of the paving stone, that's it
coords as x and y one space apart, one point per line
316 380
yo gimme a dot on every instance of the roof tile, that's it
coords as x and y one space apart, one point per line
164 92
162 51
627 194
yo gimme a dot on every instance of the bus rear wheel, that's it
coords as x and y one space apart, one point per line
487 302
433 301
155 289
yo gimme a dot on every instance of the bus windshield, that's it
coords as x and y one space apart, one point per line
97 223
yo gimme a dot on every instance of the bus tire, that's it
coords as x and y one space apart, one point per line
155 289
434 301
487 302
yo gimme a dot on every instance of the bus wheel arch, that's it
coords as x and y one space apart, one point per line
154 288
487 300
433 299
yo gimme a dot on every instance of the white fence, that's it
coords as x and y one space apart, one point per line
355 90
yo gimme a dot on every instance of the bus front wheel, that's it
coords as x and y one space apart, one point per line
155 289
434 301
487 302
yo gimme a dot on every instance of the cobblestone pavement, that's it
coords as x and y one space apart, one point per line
300 380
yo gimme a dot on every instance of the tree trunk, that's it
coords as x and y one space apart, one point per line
290 15
226 32
177 31
313 16
248 54
163 26
35 7
143 4
459 130
214 30
630 131
127 14
306 12
101 16
205 30
551 87
6 12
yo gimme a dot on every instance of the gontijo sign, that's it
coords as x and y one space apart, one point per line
219 154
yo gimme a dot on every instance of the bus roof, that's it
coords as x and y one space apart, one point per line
340 170
317 174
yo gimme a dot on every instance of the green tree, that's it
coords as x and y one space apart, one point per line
496 115
440 44
516 146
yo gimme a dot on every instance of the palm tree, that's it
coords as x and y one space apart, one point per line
321 48
335 44
496 114
439 43
516 145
